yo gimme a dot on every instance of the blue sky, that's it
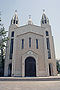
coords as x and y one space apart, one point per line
35 9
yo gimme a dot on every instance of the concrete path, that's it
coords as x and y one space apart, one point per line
29 85
36 83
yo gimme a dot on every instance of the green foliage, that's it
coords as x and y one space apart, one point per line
3 37
58 66
3 40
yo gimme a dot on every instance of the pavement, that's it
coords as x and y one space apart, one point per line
50 78
29 83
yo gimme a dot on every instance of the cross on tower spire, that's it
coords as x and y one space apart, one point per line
15 10
30 20
43 10
29 16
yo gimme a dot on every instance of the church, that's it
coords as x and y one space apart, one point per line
30 49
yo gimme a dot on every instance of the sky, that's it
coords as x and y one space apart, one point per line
35 9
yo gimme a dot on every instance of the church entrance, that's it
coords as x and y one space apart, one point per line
30 67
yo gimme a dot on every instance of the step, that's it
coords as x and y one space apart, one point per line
51 78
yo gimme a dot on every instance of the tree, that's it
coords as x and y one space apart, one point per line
3 39
58 66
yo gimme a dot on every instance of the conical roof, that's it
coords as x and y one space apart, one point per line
15 18
44 19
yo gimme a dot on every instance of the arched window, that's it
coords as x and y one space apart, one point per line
11 48
29 42
12 34
48 48
11 45
42 22
48 44
49 54
45 21
47 34
36 43
22 43
16 22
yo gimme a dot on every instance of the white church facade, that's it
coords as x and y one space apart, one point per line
30 49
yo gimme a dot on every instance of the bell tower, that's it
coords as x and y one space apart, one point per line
44 19
15 20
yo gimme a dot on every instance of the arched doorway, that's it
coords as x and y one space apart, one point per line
30 67
50 69
10 69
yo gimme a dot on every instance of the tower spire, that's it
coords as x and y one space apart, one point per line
44 19
15 19
30 20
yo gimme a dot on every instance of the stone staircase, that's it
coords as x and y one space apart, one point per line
51 78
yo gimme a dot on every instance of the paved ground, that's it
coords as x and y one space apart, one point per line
37 83
29 85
